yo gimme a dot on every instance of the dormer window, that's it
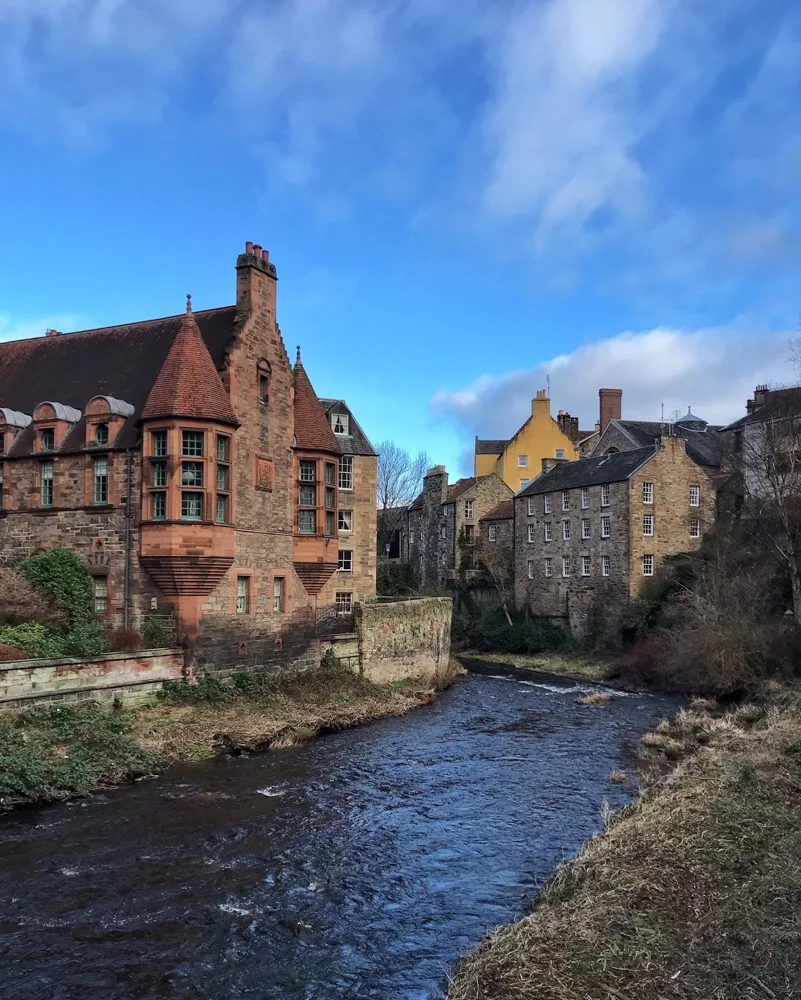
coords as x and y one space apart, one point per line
101 435
47 439
340 423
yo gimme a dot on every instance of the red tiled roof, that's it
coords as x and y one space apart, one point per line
312 429
188 384
502 512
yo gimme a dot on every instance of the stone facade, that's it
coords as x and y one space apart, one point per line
404 638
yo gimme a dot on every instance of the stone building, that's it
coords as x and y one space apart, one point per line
592 532
191 467
442 524
497 543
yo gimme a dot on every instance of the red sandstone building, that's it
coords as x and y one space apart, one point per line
192 467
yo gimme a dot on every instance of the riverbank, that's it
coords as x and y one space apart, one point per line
694 890
58 752
578 668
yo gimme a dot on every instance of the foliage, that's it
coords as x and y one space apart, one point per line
21 602
158 632
8 652
395 579
54 752
330 660
124 640
85 639
206 688
34 639
489 631
61 575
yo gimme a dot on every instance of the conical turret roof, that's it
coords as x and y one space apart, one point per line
312 429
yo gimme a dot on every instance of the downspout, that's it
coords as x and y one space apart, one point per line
126 599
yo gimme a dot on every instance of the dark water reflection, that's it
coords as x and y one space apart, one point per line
360 865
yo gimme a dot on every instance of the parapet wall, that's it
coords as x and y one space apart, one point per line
404 638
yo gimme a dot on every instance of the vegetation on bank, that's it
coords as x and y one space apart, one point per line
692 891
60 751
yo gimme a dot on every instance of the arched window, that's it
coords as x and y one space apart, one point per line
101 434
263 372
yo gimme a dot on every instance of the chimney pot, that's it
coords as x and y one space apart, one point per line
52 333
248 247
257 249
265 255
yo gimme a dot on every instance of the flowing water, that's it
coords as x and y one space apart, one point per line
360 865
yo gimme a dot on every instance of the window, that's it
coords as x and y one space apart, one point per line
100 480
159 476
346 472
695 496
223 477
101 434
345 522
191 474
344 602
340 423
47 439
647 492
565 500
606 526
46 485
191 506
242 595
531 509
345 560
524 483
308 471
648 565
695 528
606 495
308 496
158 506
221 509
278 593
469 508
648 524
329 522
560 453
469 534
329 473
547 532
548 566
263 381
585 498
492 532
307 522
223 448
565 566
530 533
531 569
522 461
585 527
546 504
100 591
606 565
566 530
192 444
330 498
585 565
158 440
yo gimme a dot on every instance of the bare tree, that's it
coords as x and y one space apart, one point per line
496 560
400 479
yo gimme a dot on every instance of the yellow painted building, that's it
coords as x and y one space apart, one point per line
519 460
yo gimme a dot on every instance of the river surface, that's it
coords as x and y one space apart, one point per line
360 865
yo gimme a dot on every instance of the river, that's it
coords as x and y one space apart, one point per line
360 865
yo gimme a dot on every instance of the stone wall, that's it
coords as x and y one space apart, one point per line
130 677
404 638
362 541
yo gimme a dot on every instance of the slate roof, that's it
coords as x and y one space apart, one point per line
491 447
312 429
120 361
355 443
704 447
590 472
188 384
778 402
503 512
455 490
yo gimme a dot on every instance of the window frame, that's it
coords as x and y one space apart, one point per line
606 495
344 607
648 493
102 480
585 528
566 530
522 461
308 514
279 594
606 564
695 523
47 448
546 503
345 561
547 531
566 566
548 567
469 510
606 522
243 596
345 473
199 496
695 495
532 509
530 569
157 438
344 418
586 566
155 496
585 498
531 535
492 532
104 428
100 579
565 501
50 466
648 563
189 435
648 521
342 513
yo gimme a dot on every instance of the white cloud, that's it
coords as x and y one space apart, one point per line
712 370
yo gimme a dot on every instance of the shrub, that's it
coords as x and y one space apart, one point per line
35 640
86 638
206 689
330 660
61 575
158 632
8 652
490 632
21 602
395 579
124 640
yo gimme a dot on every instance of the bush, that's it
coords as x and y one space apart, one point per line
206 689
21 602
8 652
86 639
330 660
490 632
124 640
394 579
37 641
158 632
61 575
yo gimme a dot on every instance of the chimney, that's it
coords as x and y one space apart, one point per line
256 279
541 405
435 481
568 425
551 463
761 393
52 333
610 408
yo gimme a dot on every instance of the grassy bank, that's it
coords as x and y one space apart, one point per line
574 667
57 752
693 891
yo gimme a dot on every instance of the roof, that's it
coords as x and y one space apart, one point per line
776 403
459 487
703 446
690 418
312 429
504 511
355 443
188 384
118 361
590 471
488 447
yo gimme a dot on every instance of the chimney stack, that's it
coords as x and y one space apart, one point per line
52 333
568 425
611 405
256 279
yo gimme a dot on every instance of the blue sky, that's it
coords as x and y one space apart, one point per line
462 199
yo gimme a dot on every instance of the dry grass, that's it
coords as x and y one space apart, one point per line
618 777
596 698
692 892
573 667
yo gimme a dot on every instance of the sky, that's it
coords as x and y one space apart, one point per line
465 200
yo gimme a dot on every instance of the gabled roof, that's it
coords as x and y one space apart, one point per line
590 472
119 361
355 443
777 403
703 446
312 429
487 447
504 511
461 486
188 384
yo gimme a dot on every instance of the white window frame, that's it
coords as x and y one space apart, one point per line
586 564
695 496
648 524
344 601
566 530
345 521
585 527
532 510
340 424
606 522
524 483
100 594
547 532
695 527
345 478
546 504
469 509
548 566
492 532
606 495
530 569
647 492
559 453
47 484
530 533
100 481
522 461
565 566
606 565
585 497
278 593
565 500
242 595
648 564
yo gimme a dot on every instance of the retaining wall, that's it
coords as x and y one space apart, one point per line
404 638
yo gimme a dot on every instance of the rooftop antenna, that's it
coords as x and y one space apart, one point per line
548 383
